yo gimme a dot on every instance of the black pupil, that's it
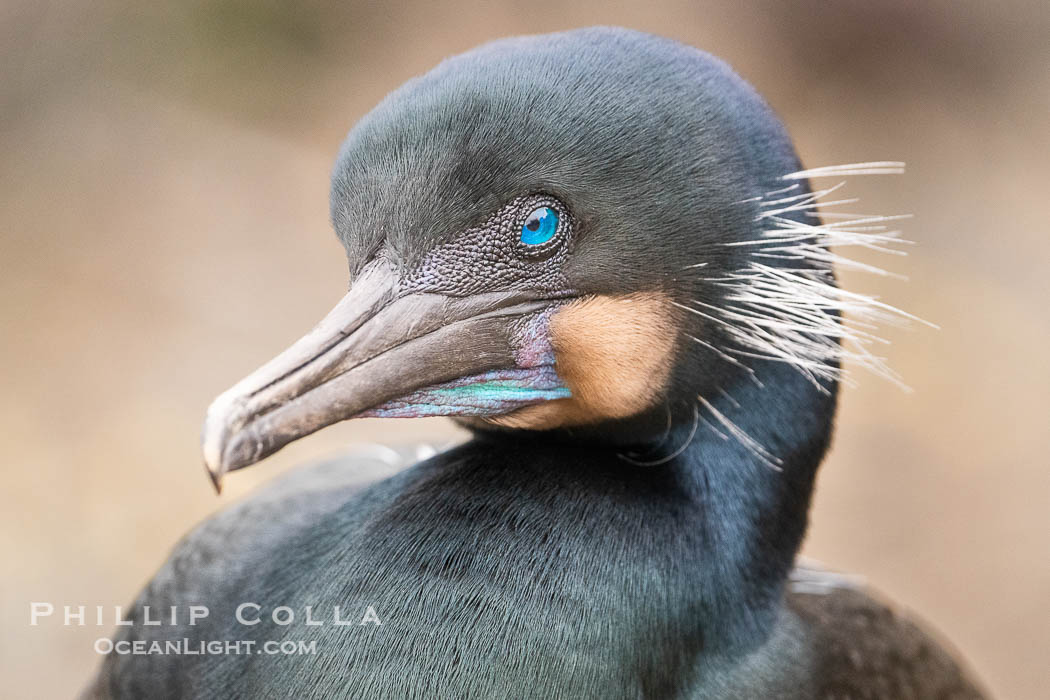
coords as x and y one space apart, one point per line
533 223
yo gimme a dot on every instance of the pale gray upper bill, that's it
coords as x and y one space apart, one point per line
376 344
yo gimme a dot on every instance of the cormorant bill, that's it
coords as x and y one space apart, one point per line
598 250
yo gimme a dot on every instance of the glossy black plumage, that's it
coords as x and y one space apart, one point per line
513 604
551 563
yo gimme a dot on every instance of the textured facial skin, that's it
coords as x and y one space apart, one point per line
492 256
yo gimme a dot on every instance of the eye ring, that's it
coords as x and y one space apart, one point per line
542 226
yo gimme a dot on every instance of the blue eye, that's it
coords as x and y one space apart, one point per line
540 227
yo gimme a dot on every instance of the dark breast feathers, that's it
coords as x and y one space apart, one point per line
833 641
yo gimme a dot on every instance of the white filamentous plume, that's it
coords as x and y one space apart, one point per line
796 314
885 167
749 443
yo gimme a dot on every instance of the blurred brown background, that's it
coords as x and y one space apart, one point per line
163 179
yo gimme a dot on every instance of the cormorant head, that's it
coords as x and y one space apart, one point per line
556 234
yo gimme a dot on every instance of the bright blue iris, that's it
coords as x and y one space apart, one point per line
540 227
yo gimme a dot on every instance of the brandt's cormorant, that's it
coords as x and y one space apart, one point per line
598 250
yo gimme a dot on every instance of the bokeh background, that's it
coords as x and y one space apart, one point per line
163 223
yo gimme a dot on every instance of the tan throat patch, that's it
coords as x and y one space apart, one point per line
614 353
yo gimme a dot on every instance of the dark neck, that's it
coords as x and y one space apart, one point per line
753 500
